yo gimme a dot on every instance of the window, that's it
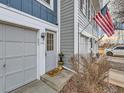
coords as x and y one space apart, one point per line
83 6
47 3
50 42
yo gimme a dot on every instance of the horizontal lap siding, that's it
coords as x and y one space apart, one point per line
83 21
67 30
34 8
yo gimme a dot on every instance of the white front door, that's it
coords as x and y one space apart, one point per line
51 54
18 57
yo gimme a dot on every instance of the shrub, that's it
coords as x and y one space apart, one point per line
90 75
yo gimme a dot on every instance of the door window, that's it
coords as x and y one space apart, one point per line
50 42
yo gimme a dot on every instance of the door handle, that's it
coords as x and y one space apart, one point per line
4 65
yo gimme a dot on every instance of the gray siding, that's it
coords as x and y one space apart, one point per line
83 21
67 29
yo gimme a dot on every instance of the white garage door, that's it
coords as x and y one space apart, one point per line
18 57
83 45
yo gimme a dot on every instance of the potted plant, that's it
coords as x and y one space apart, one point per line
61 55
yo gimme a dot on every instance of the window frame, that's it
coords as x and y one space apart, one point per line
50 41
50 6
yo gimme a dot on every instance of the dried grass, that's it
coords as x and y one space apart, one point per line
90 75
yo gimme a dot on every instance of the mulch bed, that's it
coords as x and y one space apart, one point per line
70 87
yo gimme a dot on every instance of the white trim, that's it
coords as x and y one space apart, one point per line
69 69
25 14
58 14
50 6
76 26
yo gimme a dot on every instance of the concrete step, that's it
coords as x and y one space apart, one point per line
116 77
59 81
37 86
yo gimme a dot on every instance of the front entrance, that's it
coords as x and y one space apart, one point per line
51 53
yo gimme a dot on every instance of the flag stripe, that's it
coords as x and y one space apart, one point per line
109 17
109 23
105 22
101 27
101 22
103 19
97 21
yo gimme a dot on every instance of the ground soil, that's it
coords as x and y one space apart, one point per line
70 87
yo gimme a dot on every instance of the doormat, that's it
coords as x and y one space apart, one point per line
55 71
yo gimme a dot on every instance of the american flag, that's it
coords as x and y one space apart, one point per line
104 20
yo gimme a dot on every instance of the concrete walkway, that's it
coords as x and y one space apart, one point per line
116 77
35 87
116 74
47 84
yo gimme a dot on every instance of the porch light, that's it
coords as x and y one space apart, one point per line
43 35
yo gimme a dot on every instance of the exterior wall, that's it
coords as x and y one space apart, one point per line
90 29
84 45
67 29
74 21
14 17
34 8
83 21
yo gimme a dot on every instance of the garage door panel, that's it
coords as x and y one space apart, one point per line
14 49
1 50
30 62
14 80
30 36
1 76
13 65
1 68
29 73
1 32
1 85
14 34
30 49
